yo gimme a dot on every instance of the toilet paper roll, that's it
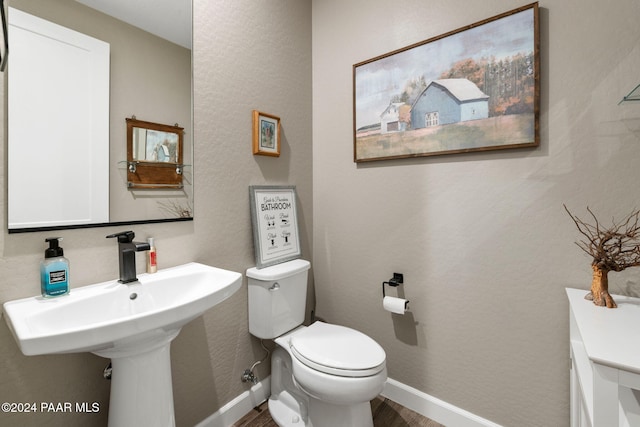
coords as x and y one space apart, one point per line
395 305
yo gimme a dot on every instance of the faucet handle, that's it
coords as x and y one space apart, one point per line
123 236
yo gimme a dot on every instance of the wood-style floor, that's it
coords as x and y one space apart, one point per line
385 414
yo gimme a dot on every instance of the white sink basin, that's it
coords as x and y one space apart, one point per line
98 317
131 324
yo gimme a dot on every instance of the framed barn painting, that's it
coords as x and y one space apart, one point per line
472 89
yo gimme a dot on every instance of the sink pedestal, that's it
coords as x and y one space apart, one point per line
141 388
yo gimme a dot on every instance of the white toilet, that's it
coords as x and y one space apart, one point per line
322 375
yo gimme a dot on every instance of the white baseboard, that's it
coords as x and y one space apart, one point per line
432 407
409 397
239 407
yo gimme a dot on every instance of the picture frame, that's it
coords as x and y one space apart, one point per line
476 88
154 155
266 134
275 224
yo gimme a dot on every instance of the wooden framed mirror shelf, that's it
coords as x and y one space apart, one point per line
154 155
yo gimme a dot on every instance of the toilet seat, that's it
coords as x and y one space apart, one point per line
337 350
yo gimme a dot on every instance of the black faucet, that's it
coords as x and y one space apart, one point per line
127 249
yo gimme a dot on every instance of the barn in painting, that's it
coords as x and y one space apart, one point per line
395 118
448 101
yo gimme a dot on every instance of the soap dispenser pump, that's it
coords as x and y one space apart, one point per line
54 270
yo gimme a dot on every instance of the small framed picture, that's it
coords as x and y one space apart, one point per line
266 134
275 224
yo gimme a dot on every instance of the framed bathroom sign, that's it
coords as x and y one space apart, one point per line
275 224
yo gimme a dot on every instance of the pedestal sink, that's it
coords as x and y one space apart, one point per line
131 324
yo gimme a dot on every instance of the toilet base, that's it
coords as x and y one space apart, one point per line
329 415
284 415
322 414
289 406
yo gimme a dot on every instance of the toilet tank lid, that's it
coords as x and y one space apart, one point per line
279 271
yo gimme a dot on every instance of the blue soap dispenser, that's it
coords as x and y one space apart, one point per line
54 270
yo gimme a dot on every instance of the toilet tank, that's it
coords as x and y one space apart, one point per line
277 298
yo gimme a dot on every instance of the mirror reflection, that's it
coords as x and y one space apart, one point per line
150 77
155 146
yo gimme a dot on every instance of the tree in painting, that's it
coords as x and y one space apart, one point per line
509 82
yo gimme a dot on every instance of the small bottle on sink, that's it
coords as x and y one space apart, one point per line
152 261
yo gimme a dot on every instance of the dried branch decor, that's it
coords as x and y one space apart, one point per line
613 249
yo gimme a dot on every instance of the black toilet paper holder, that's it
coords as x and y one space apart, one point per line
396 280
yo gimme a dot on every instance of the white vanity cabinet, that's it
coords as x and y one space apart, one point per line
605 362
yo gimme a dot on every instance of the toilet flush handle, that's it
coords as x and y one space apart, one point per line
275 287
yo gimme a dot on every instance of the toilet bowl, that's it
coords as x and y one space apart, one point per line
336 364
322 375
